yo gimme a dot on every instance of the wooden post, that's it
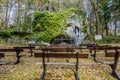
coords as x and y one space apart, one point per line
107 47
31 51
116 58
44 66
76 66
17 55
90 50
94 55
48 53
77 59
67 53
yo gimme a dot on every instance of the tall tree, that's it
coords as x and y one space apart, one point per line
105 14
99 27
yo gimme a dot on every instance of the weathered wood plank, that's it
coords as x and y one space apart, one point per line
10 50
61 55
58 49
110 54
26 47
62 63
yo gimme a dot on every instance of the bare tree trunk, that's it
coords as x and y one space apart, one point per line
99 29
18 16
50 6
6 15
115 23
106 28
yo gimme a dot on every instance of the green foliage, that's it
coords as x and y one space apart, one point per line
90 37
49 24
28 37
5 33
105 11
1 1
29 3
111 39
84 29
11 32
26 24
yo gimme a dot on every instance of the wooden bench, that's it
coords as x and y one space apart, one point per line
54 54
114 64
15 49
96 48
87 46
57 48
30 47
115 54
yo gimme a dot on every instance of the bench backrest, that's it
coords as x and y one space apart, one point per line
60 48
87 45
11 50
112 53
26 47
61 55
100 47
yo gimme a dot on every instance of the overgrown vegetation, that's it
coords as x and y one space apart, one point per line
111 39
46 18
12 34
49 24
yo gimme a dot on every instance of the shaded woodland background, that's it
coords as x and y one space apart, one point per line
41 20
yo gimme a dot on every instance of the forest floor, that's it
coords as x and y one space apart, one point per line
29 69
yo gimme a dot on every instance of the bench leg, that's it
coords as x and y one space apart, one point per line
44 67
91 52
42 75
31 52
48 60
114 72
67 60
76 76
76 67
94 55
114 65
17 58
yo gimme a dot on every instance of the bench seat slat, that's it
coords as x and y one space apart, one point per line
26 47
88 44
10 50
57 63
103 48
110 54
58 49
62 63
108 63
61 55
3 63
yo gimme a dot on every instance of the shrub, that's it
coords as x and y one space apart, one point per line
111 39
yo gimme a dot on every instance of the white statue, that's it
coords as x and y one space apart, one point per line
75 30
